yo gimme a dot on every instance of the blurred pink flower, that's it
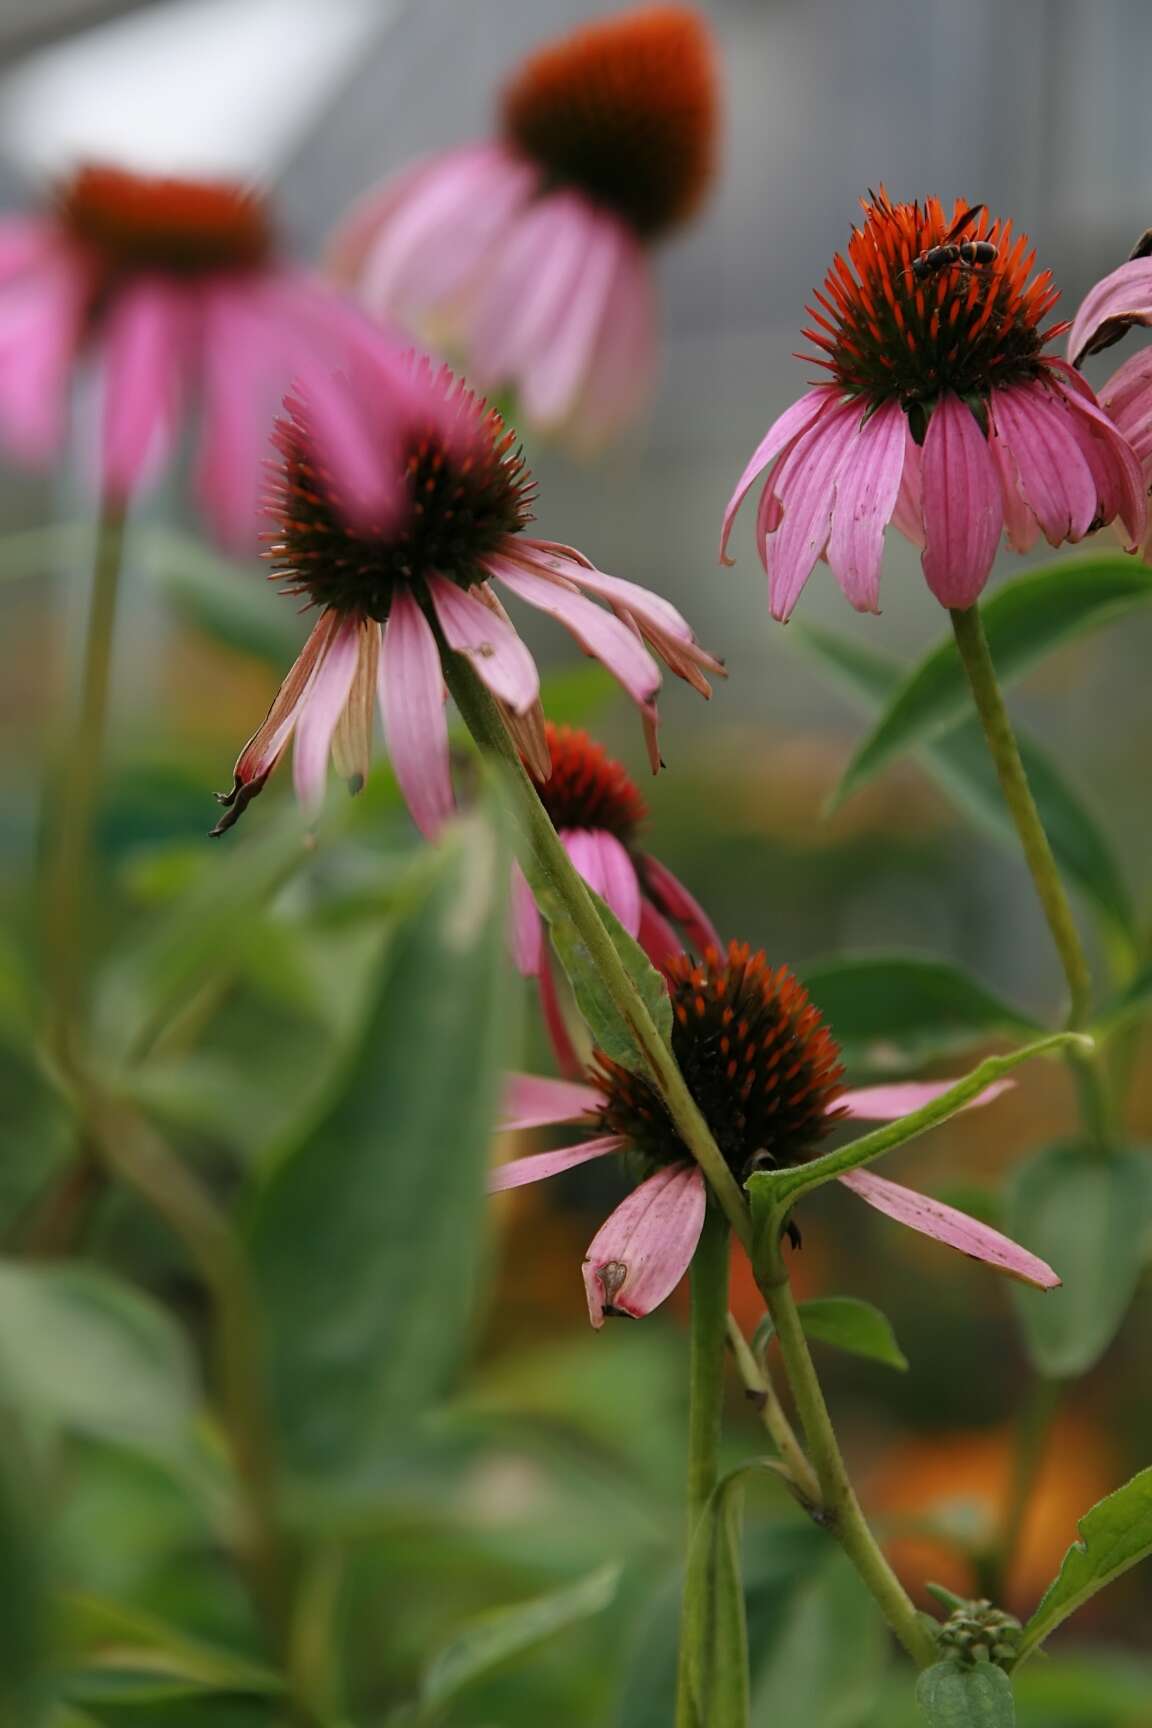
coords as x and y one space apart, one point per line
390 586
1114 306
531 255
766 1074
172 290
943 415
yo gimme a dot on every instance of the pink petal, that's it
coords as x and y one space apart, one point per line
908 515
866 494
889 1103
529 292
1020 525
242 379
527 937
490 642
320 710
954 1229
520 1171
805 483
1125 295
1115 463
553 384
623 356
598 632
963 514
1127 398
412 704
25 243
782 433
1055 480
41 333
670 895
532 1101
145 351
608 870
657 937
639 1255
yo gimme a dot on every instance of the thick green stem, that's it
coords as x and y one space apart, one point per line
976 657
548 861
839 1510
705 1411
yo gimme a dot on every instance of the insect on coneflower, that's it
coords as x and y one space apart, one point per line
765 1071
171 290
530 255
391 587
941 412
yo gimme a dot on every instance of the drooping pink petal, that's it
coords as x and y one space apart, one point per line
25 243
1055 480
1122 298
412 703
527 936
601 634
1114 461
553 383
963 514
639 1254
889 1103
489 641
1020 524
145 350
533 1101
672 898
622 363
243 375
657 937
320 710
805 483
41 333
782 433
518 1172
955 1229
525 296
608 870
352 739
1127 399
866 493
907 515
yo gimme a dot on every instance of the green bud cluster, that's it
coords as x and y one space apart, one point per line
978 1631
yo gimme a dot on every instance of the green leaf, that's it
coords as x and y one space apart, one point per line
83 1352
954 1696
1090 1216
1114 1535
232 602
365 1238
103 1635
826 1655
960 763
503 1633
848 1324
600 1014
879 1005
714 1594
1023 622
23 1583
1132 1003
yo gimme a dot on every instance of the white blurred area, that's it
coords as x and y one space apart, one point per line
215 87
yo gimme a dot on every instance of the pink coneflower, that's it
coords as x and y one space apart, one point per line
1114 306
391 589
172 290
766 1074
942 413
531 255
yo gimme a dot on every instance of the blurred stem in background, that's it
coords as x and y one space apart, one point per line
706 1365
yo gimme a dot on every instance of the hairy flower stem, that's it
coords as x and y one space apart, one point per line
705 1412
547 864
838 1509
976 657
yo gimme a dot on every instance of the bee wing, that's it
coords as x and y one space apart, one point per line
963 221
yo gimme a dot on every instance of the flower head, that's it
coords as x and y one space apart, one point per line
765 1071
941 412
393 583
170 290
529 254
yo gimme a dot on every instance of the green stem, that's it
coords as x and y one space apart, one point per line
68 872
758 1385
548 862
839 1510
976 657
705 1412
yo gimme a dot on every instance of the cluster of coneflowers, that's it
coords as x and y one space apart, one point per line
401 502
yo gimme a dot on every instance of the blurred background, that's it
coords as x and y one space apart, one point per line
565 1449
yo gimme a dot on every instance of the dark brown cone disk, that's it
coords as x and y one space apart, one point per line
181 227
588 788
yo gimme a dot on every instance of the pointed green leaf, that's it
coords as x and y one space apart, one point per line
860 1328
714 1592
1090 1216
1114 1535
952 1695
886 1005
503 1633
600 1013
102 1636
959 761
365 1238
1024 620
